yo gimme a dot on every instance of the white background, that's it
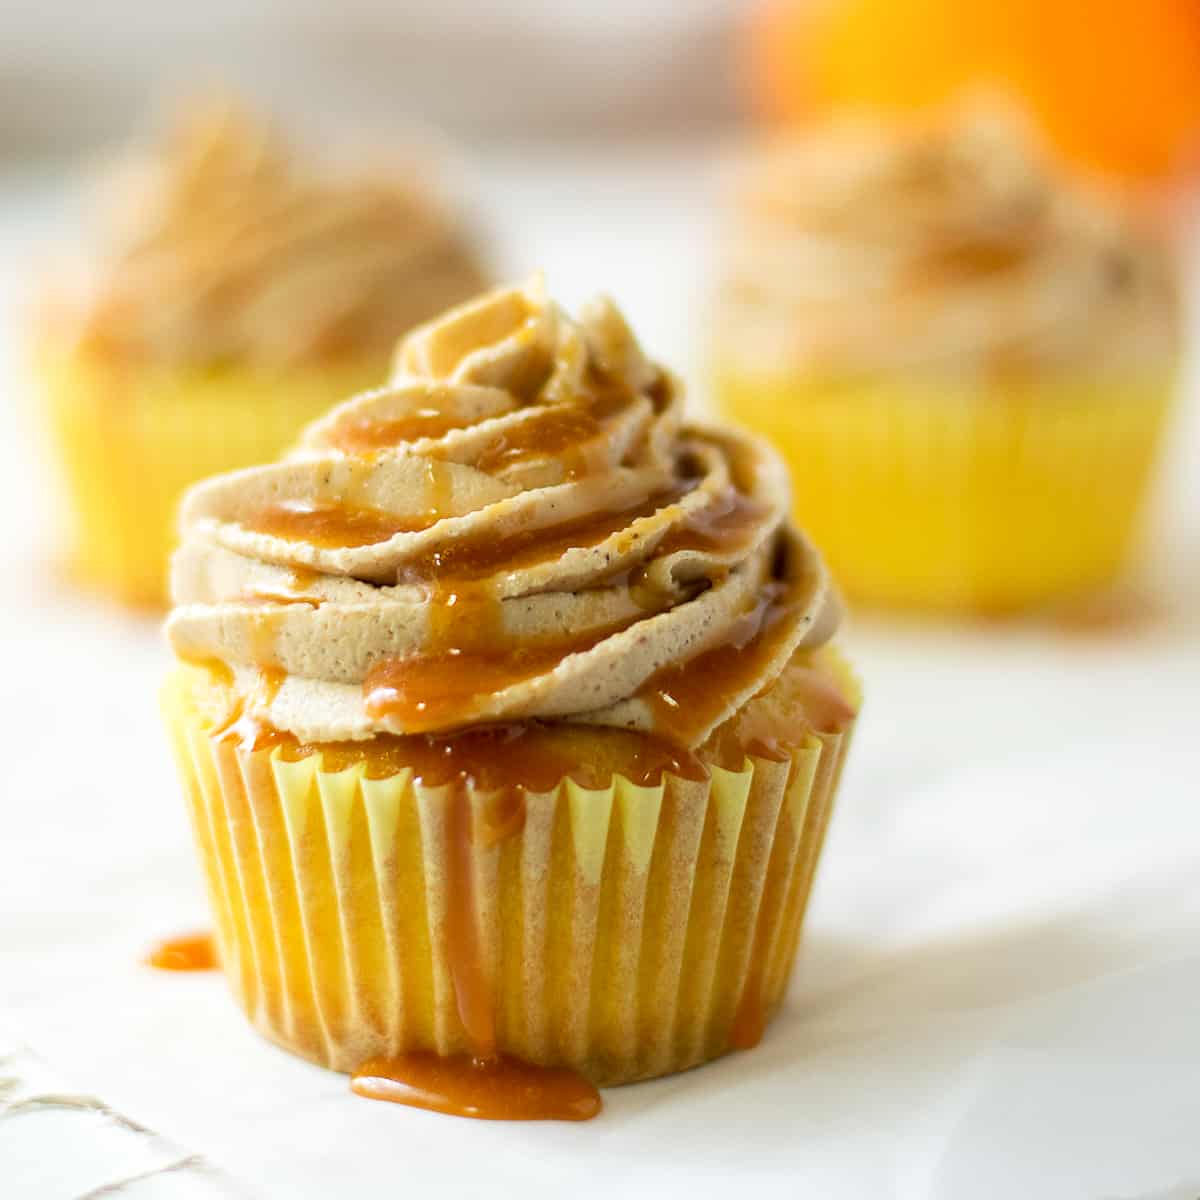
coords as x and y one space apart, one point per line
997 996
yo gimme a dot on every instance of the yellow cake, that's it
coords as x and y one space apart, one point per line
508 719
967 358
233 294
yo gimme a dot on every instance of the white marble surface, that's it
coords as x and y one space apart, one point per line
998 991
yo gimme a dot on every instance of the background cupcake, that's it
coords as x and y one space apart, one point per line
507 716
235 290
967 357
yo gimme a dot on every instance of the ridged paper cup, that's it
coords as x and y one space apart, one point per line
131 437
985 499
626 932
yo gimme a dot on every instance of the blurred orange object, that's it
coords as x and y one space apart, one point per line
1114 83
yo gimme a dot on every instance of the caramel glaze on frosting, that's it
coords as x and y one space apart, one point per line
861 246
519 526
221 245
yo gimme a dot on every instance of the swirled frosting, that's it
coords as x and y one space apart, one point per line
520 525
862 246
219 244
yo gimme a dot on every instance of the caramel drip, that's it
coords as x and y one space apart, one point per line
687 697
500 1089
563 430
189 952
303 579
438 491
468 973
245 729
478 557
483 1083
368 435
571 433
527 756
330 526
260 647
502 815
444 686
263 598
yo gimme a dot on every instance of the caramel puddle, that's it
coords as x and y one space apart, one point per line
188 952
496 1089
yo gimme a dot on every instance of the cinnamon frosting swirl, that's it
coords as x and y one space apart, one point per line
520 525
220 244
860 246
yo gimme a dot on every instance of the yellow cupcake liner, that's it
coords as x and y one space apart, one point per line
130 438
990 499
627 932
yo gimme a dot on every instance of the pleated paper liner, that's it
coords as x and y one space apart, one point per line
625 932
132 437
984 500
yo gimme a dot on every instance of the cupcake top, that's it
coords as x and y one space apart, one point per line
959 246
219 244
520 525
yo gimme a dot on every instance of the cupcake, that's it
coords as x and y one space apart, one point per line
235 293
967 357
509 722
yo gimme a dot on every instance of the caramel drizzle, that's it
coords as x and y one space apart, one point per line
524 756
686 698
429 691
472 988
369 435
483 1083
331 526
573 432
467 559
241 726
472 656
262 598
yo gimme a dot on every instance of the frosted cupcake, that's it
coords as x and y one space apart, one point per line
234 292
508 721
967 358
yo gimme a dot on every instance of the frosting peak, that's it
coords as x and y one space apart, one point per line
520 525
221 243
